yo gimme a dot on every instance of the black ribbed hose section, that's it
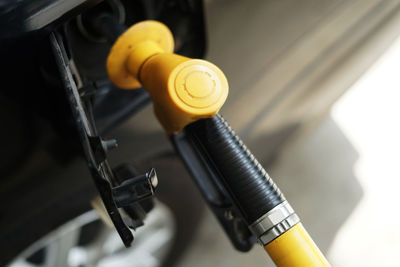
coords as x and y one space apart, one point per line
246 181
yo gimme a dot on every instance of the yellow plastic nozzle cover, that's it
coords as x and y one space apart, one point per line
183 89
142 39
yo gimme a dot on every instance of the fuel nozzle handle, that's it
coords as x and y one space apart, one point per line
187 95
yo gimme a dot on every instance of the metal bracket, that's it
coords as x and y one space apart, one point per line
135 189
93 146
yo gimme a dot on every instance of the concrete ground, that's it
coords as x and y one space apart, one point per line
342 178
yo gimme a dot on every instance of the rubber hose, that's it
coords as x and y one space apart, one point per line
248 184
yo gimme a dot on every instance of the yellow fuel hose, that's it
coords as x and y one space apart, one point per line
295 248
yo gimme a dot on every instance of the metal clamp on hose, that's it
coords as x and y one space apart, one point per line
274 223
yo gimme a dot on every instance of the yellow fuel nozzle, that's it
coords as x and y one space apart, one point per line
183 89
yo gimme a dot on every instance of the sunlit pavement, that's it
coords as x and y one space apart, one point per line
369 117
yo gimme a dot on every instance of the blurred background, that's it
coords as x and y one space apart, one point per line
314 90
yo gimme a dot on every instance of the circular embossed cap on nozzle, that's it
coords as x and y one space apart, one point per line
198 86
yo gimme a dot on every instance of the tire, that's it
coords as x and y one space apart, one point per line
32 208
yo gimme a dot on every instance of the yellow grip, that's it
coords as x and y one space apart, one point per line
183 89
295 248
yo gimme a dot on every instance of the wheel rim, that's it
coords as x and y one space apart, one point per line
71 245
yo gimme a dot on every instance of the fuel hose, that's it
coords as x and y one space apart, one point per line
269 216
